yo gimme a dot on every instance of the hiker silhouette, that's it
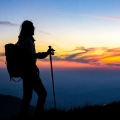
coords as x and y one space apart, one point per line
30 72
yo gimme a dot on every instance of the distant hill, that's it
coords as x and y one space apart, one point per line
10 107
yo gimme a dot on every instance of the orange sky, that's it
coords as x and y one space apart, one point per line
81 57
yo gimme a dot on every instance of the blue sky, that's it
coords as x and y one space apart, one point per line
10 9
44 10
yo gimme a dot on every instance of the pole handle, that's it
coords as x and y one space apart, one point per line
51 50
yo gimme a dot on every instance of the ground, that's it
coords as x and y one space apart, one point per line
10 106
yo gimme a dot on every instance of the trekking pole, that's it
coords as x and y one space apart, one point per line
52 53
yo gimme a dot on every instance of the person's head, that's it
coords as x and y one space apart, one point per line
27 28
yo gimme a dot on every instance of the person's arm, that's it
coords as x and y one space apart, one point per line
41 55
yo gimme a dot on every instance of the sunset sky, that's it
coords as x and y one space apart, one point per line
84 33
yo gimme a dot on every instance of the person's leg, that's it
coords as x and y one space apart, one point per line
27 95
41 92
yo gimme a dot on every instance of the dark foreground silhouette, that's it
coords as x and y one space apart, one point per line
10 108
21 62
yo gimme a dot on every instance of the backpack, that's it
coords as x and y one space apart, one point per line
14 60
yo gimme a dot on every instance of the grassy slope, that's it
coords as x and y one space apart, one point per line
9 108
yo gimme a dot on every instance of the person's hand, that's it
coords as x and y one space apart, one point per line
50 51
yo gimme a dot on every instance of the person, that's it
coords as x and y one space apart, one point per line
30 71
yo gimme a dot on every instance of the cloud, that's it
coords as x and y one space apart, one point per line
2 54
70 57
102 17
107 17
44 32
90 15
113 64
80 48
94 56
7 23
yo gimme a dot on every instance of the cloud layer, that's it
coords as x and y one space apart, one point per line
96 56
116 18
100 56
102 17
7 23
